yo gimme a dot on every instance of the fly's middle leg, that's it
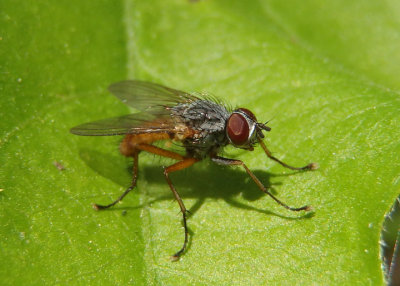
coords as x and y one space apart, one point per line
173 168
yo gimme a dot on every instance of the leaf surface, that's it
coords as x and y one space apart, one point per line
330 100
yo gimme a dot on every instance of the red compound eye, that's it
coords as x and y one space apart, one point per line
249 113
238 129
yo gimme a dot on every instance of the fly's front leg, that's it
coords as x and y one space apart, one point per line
232 162
311 166
173 168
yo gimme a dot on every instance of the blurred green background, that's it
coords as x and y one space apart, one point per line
325 73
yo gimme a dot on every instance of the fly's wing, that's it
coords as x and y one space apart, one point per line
152 99
149 97
128 124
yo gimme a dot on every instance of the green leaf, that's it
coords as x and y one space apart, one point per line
316 71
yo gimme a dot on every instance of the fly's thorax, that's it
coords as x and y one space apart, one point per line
206 120
204 116
200 149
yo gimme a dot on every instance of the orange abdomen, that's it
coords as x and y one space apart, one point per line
128 144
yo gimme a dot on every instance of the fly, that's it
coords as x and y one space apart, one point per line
203 126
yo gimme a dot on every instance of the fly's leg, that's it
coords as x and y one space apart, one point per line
231 162
182 164
130 188
311 166
159 151
137 148
173 168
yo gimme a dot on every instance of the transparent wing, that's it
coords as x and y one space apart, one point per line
152 99
147 96
127 124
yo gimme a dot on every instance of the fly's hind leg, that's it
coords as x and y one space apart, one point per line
134 152
131 147
135 156
187 162
182 164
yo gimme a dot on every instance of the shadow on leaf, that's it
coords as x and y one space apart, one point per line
203 181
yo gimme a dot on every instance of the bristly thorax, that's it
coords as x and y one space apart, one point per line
208 119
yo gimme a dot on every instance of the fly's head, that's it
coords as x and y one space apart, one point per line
243 130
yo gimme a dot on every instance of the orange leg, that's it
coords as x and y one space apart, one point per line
173 168
182 164
159 151
135 154
133 184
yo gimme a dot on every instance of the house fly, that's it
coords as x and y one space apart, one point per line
201 124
